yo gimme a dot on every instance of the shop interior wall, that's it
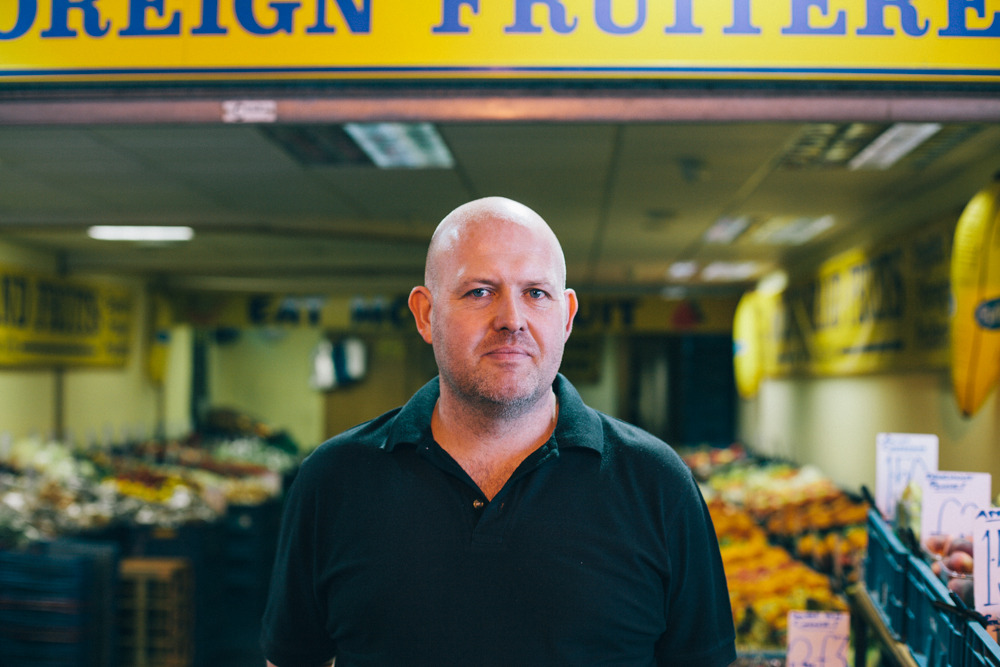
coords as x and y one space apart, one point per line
833 423
96 404
264 373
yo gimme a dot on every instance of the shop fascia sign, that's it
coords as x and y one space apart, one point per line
49 321
949 40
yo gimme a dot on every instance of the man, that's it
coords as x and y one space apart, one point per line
495 520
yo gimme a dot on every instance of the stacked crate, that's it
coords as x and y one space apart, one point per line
56 605
155 620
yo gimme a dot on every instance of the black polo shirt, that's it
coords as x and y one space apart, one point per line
598 551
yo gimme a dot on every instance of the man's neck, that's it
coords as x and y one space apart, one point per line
490 447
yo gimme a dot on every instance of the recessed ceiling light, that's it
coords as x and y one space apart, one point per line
682 270
402 145
893 145
146 233
727 229
730 271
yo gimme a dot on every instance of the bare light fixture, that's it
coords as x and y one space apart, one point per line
893 145
402 145
145 233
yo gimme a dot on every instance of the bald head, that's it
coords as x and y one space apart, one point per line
482 216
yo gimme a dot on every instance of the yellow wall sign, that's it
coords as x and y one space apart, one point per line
868 310
48 321
877 40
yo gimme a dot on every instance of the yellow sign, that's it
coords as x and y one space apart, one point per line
56 322
875 40
866 310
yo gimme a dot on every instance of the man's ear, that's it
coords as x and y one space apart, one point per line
420 305
572 305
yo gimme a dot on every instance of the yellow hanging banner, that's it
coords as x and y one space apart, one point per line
48 321
137 40
877 309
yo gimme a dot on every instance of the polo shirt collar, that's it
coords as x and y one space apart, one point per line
578 426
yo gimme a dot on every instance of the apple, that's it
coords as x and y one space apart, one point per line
964 589
959 561
960 544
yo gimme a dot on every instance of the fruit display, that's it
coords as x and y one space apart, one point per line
800 509
950 558
50 489
765 581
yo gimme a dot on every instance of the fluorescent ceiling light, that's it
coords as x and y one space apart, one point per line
682 270
140 233
892 145
727 230
401 145
784 230
730 271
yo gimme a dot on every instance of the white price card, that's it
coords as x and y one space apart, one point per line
900 459
951 500
986 562
817 639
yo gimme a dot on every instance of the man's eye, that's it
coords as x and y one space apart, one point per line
537 294
479 292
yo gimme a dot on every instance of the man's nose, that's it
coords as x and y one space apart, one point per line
509 312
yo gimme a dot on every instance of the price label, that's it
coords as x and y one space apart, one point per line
817 639
951 501
986 562
900 459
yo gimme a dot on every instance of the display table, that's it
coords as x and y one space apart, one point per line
865 617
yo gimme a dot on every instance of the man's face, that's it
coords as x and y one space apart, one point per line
500 315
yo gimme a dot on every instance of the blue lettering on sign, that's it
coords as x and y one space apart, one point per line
26 12
284 12
450 22
602 14
137 20
682 20
988 314
60 19
524 24
800 20
742 25
958 13
152 18
908 18
359 19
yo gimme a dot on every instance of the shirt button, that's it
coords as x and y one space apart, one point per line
478 504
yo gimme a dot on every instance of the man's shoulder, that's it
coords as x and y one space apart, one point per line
358 441
630 447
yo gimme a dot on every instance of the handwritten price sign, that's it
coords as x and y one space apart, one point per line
900 459
951 501
986 562
817 639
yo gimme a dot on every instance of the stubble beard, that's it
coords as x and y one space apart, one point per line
505 399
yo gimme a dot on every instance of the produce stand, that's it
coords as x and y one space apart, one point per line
867 621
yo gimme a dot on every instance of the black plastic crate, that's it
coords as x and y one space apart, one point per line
886 563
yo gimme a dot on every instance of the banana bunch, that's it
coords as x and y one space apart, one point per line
975 285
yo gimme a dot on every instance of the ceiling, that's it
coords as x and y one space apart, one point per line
628 199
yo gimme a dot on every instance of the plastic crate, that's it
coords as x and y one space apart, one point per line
886 562
981 650
935 628
155 620
51 605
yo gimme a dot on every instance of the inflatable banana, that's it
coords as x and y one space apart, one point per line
747 354
975 288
